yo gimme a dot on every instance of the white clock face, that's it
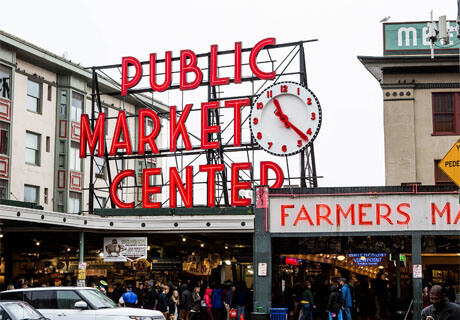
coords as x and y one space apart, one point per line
285 118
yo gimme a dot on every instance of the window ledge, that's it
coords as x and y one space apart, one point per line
33 164
445 134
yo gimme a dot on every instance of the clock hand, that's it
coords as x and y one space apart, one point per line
297 130
286 122
280 113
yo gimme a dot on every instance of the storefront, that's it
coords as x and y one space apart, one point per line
43 248
387 241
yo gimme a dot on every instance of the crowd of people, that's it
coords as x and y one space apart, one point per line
186 301
344 299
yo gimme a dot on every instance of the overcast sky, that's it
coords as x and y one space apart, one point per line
349 148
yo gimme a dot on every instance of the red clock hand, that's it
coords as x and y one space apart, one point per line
297 130
286 122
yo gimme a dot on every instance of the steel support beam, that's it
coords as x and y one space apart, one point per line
262 254
417 282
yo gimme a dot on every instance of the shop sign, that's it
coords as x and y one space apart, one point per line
96 273
367 259
119 249
166 264
94 136
414 37
373 213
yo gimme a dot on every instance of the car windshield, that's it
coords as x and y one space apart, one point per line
97 299
22 311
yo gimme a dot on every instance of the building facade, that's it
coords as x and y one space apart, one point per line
42 97
421 102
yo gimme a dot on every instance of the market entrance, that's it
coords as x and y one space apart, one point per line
369 264
36 258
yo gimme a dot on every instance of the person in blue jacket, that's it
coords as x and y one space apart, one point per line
129 298
346 298
217 304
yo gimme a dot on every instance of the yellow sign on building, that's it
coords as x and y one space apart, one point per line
450 164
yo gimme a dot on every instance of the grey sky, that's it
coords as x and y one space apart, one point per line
349 147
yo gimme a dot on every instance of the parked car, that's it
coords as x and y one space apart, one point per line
77 303
19 310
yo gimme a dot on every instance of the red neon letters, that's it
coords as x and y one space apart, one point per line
189 65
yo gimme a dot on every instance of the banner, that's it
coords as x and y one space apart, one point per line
118 249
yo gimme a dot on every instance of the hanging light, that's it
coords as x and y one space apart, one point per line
68 249
226 247
228 262
148 248
184 239
202 244
37 243
341 257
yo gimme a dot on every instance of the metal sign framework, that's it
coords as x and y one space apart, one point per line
307 169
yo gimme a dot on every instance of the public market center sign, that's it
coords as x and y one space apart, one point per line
191 77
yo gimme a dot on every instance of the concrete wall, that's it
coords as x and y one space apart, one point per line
410 146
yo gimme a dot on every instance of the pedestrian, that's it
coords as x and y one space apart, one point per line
426 297
217 304
117 291
129 298
163 304
307 302
241 299
141 293
206 305
173 305
185 304
334 304
229 297
441 308
346 298
196 304
151 296
450 290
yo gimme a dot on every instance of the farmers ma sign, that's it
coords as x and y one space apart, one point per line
413 38
365 213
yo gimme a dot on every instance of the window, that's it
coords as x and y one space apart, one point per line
33 96
45 196
76 107
31 194
74 202
3 189
60 201
63 104
61 154
4 315
100 167
48 144
145 164
45 299
5 82
32 148
440 178
99 202
74 154
66 299
446 113
4 132
50 90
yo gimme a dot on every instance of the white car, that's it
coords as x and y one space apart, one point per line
77 303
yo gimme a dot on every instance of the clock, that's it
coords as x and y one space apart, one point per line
285 118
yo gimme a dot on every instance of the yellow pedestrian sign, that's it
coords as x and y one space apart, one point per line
450 164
